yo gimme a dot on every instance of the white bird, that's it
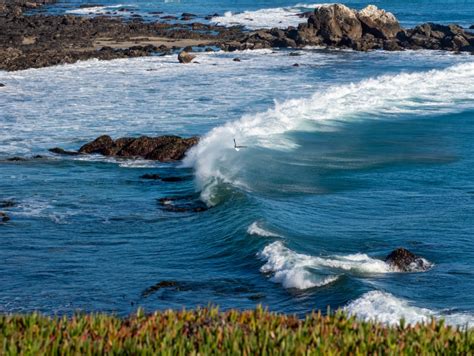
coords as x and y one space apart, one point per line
236 147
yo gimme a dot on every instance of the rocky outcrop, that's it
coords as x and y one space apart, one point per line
405 261
338 26
161 148
379 23
185 57
335 22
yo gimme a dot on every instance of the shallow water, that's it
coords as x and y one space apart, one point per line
349 156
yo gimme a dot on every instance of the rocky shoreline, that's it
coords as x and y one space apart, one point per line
35 41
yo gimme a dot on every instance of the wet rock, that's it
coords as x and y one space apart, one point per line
406 261
471 27
296 65
4 217
60 151
163 284
333 22
2 85
185 57
379 23
4 204
236 60
161 148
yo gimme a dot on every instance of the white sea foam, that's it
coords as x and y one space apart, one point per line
296 270
95 10
388 309
385 97
256 229
280 17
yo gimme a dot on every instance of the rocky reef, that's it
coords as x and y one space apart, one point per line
161 148
337 26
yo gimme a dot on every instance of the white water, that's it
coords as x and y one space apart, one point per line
388 309
256 229
385 97
280 17
300 271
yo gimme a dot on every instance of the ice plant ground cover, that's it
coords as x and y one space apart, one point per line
210 331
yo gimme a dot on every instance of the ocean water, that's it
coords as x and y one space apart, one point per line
349 156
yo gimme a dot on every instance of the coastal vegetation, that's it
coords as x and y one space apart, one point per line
210 331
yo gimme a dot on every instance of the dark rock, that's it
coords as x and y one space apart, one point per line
2 85
185 57
60 151
296 65
162 148
405 261
151 176
471 27
7 204
16 159
175 179
4 217
379 23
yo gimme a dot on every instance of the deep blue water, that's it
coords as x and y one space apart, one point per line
349 156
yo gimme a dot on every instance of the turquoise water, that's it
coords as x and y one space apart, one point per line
350 155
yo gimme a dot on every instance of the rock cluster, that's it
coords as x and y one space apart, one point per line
338 26
161 148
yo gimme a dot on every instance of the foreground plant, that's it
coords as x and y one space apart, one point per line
209 331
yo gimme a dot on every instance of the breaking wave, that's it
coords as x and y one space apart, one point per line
386 308
300 271
386 97
256 229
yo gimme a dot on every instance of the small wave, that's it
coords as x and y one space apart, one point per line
256 229
280 17
295 270
386 308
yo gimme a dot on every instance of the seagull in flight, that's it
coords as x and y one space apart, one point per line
237 147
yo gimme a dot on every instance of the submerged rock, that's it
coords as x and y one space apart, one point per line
183 204
163 284
151 176
185 57
406 261
4 217
7 204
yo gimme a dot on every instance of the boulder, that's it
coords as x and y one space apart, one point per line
2 85
471 27
379 23
405 261
161 148
333 22
185 57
